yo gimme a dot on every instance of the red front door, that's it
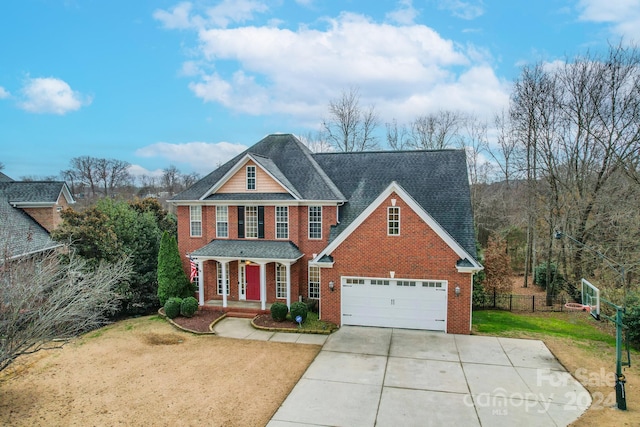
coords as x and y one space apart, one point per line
253 282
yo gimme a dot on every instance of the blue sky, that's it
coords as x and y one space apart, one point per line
193 83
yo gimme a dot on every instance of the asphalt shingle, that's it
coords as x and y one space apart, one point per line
437 180
250 249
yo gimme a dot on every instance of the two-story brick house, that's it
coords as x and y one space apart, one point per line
29 211
378 238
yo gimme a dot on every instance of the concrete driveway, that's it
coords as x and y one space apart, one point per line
391 377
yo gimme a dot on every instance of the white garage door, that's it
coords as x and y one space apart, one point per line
394 303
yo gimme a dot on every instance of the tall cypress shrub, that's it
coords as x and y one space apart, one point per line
172 280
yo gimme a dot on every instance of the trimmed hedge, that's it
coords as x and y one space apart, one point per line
172 307
189 306
299 309
279 311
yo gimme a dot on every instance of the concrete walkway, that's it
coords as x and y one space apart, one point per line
396 377
231 327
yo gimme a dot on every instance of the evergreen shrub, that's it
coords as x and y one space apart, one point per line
279 311
299 309
172 307
188 307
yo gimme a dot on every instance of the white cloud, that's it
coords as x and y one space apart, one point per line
51 95
264 70
4 93
177 18
203 157
463 9
221 15
623 15
138 171
405 14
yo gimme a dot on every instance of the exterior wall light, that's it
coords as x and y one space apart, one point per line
457 290
332 286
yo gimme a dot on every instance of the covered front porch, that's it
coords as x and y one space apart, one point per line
245 263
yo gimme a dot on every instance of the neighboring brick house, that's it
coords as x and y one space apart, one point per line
379 238
29 211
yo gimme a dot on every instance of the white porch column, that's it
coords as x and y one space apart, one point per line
288 270
200 283
224 283
263 286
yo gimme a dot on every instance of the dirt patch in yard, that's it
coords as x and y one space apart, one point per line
145 372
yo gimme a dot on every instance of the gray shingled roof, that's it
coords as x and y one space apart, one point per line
20 234
437 180
32 191
291 158
249 249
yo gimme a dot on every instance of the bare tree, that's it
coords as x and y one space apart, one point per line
436 131
315 142
397 136
171 179
111 173
84 170
349 127
44 301
507 149
189 179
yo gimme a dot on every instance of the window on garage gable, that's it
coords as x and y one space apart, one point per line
393 221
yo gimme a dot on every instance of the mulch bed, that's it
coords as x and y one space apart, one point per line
203 318
200 321
266 321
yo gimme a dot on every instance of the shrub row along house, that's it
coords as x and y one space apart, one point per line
378 238
29 211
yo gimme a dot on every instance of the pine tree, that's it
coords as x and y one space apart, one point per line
172 280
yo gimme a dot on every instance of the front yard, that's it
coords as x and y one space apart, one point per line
145 372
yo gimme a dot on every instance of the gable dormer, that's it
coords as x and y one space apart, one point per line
253 174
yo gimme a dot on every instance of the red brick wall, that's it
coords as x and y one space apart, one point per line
417 253
298 234
48 217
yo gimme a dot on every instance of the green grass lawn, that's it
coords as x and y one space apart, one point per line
563 325
312 323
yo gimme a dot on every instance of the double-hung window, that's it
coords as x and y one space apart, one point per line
251 222
393 221
222 221
282 222
281 281
315 222
195 221
314 282
251 177
220 282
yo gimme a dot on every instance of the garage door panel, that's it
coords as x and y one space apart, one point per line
411 306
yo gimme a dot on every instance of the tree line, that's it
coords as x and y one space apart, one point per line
563 157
